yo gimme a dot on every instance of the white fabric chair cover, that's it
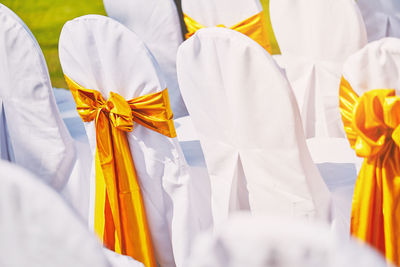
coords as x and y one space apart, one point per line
32 133
381 17
38 229
156 22
248 124
215 12
315 37
273 242
101 54
375 67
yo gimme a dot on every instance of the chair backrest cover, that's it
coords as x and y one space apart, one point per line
369 98
375 67
32 133
37 227
272 242
315 37
249 128
216 12
381 17
156 22
101 54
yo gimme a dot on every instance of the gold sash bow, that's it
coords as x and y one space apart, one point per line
372 125
254 27
120 218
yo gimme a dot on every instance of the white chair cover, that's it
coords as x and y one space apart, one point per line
215 12
381 17
32 133
156 22
273 242
100 53
375 67
248 124
38 229
315 37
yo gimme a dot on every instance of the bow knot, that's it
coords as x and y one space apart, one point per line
376 120
119 112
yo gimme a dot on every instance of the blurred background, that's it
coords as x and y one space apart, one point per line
45 18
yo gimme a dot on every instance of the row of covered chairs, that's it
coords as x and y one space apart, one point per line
136 189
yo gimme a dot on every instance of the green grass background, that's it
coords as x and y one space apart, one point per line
45 18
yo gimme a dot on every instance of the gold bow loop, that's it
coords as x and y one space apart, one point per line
372 121
120 218
372 124
376 119
254 27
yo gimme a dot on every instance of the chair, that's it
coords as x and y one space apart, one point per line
98 53
156 22
370 104
32 133
381 18
262 241
250 131
315 38
246 17
37 233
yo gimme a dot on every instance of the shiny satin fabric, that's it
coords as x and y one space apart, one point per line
157 23
372 125
121 221
271 35
254 27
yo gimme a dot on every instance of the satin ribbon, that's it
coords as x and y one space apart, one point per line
254 27
275 50
120 218
372 125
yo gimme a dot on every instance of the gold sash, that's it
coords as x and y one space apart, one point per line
275 50
372 125
254 27
120 218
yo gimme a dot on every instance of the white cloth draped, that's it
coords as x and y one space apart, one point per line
156 22
33 134
315 37
211 12
375 66
273 242
249 127
100 53
381 17
38 229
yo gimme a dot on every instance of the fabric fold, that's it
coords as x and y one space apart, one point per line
372 125
120 217
254 27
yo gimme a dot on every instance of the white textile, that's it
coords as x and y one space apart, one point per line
101 54
273 242
249 127
216 12
315 38
156 22
381 17
376 66
32 133
38 229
